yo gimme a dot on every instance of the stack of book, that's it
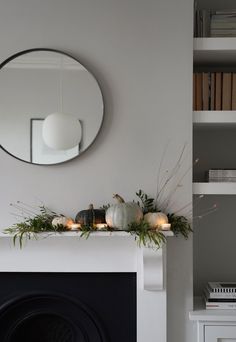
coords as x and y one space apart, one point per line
221 175
214 91
219 295
209 23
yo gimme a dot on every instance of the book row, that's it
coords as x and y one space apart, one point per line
209 23
221 179
221 175
214 91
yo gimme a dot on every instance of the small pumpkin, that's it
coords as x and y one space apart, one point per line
155 220
90 217
62 221
123 213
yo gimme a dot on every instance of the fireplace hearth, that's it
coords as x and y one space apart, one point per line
68 307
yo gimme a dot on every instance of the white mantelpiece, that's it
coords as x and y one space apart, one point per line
152 261
106 252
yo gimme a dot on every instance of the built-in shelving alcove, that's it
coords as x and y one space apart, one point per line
214 203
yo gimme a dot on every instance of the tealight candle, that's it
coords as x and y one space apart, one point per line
101 225
165 226
75 226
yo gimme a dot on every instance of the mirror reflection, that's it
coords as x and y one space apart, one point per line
51 107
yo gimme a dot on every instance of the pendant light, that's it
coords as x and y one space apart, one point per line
61 131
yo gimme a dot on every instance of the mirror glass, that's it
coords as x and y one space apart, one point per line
37 83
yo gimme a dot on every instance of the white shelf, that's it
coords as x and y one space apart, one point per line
201 314
93 234
214 188
214 118
215 50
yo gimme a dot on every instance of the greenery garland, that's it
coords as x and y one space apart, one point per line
31 226
41 222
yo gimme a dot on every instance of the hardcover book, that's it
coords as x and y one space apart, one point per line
222 287
234 91
219 296
218 92
223 306
226 91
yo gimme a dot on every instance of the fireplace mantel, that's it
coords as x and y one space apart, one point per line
102 252
151 261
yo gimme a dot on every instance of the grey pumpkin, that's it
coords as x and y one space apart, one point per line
90 217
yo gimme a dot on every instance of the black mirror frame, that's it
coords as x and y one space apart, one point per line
20 53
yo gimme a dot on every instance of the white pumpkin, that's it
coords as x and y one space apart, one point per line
120 215
155 220
61 220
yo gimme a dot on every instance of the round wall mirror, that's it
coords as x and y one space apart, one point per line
51 107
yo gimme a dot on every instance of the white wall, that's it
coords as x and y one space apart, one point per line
141 52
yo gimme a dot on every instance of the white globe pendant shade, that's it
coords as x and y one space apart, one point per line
61 131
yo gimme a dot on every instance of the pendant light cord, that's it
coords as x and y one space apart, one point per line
61 85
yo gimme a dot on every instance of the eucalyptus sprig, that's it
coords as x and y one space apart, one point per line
179 225
146 236
41 222
86 231
105 206
145 202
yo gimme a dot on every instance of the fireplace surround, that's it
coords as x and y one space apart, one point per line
109 254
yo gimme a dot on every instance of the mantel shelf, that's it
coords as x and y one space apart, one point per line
92 235
151 261
215 51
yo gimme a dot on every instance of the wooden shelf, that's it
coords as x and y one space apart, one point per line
214 188
214 118
214 51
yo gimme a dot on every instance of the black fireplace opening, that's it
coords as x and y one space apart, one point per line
68 307
50 327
